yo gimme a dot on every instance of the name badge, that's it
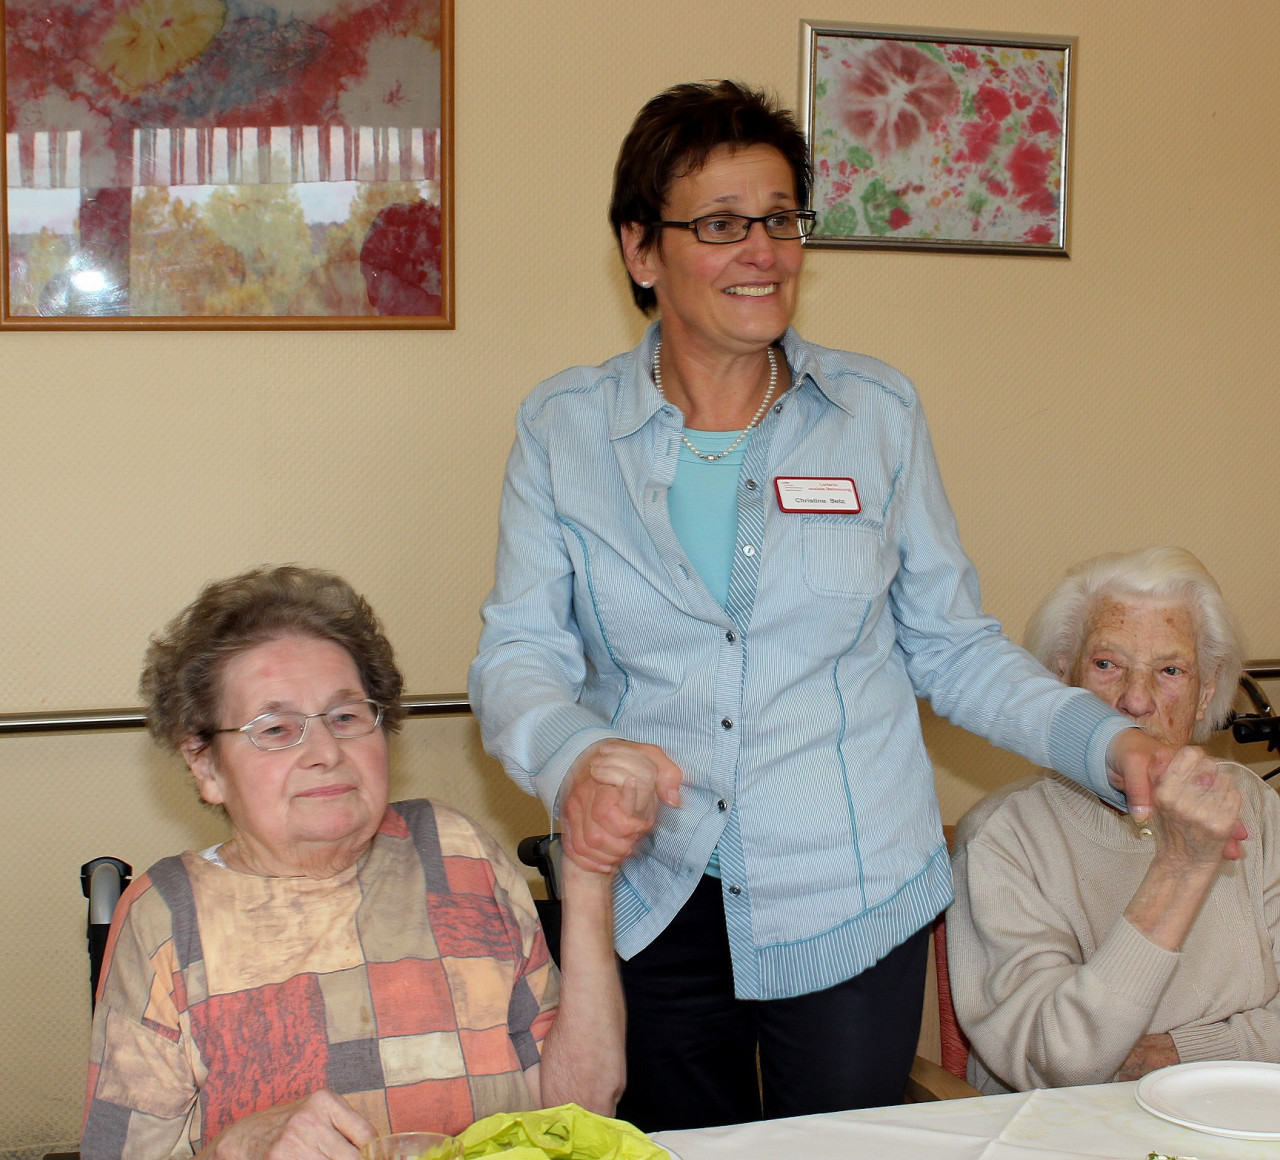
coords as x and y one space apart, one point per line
808 494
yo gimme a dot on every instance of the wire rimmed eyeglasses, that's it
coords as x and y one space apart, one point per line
283 730
719 229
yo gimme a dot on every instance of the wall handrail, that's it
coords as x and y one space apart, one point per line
432 705
81 720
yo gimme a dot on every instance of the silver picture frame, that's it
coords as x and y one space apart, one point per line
937 139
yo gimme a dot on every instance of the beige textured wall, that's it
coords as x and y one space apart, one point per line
1121 398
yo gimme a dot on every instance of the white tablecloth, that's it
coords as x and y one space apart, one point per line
1056 1124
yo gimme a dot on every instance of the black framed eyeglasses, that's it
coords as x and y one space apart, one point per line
283 730
784 225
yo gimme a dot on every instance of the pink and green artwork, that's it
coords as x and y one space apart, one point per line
234 163
938 140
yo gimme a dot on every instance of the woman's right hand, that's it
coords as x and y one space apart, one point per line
322 1124
612 801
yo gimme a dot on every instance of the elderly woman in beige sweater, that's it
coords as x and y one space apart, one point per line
1084 948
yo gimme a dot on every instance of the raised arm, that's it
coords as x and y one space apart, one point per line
960 659
1047 997
583 1058
1252 1033
1197 811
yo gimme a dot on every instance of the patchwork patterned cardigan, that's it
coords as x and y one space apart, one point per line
417 984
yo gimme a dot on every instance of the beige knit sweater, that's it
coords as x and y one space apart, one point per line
1054 986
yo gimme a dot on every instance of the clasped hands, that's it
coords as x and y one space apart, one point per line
610 801
1196 796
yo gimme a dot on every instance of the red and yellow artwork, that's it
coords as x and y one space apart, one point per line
227 162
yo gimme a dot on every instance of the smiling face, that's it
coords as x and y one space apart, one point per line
729 299
309 810
1140 657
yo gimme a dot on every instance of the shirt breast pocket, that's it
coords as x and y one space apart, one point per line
844 556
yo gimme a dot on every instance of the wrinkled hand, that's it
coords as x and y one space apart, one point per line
1138 762
1149 1053
612 801
1197 810
320 1125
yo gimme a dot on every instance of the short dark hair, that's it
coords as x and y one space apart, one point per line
181 682
676 133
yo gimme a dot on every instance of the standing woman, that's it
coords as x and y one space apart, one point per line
726 569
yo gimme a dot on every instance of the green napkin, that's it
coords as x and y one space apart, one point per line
564 1133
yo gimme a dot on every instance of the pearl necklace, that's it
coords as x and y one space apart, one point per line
764 404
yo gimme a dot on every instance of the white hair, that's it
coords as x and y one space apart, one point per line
1057 629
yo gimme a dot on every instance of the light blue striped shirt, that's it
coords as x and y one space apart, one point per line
791 710
703 504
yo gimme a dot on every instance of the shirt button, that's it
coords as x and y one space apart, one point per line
748 549
726 724
750 484
735 890
778 409
722 805
731 636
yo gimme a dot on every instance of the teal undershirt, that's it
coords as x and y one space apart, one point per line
703 505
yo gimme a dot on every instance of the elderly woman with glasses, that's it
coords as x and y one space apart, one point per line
1084 948
726 568
339 967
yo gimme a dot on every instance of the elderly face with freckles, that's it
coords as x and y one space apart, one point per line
1140 655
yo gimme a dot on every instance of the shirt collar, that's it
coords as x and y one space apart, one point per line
638 400
805 365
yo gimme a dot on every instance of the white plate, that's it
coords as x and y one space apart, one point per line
1236 1099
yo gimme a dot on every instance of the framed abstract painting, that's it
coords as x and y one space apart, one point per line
933 139
185 164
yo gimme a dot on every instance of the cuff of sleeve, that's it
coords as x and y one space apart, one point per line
1085 728
548 781
1136 969
1212 1041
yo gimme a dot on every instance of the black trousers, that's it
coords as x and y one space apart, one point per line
692 1047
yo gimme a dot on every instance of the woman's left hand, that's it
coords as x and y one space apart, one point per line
321 1126
1150 1053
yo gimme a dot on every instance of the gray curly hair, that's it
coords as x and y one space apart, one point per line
1057 629
181 682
